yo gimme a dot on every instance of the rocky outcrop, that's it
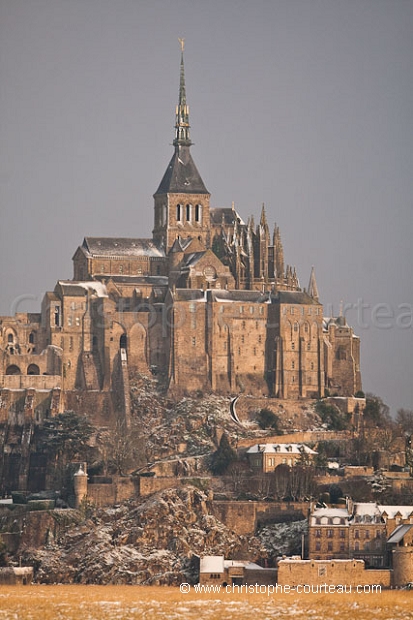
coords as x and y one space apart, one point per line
149 541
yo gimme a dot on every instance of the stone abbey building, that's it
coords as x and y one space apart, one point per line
207 303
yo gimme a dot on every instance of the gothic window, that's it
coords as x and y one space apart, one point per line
198 211
123 341
178 213
188 212
10 338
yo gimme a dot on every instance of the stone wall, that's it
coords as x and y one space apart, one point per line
119 490
294 572
244 517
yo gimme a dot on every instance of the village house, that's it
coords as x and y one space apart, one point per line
359 530
266 457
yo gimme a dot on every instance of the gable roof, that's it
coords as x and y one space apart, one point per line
105 247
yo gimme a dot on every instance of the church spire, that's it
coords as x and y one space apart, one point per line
312 286
182 109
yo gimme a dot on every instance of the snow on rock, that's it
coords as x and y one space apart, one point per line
149 541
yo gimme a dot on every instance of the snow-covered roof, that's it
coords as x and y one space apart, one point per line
280 448
71 287
366 508
392 511
212 564
331 514
399 532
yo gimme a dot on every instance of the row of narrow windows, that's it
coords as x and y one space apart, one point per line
188 213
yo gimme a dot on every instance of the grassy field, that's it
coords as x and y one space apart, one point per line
166 603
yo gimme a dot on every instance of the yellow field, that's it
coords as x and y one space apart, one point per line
161 603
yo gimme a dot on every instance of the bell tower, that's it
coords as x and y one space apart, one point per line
181 200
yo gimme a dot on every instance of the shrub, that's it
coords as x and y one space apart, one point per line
268 419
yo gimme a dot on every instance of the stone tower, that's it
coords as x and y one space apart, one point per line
181 200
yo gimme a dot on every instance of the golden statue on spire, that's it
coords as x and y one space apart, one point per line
182 42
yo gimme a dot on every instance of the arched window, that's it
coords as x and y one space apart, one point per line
178 213
10 338
13 370
123 341
188 212
32 337
33 369
198 213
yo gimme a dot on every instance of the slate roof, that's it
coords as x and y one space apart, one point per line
226 215
181 176
293 297
119 246
237 295
136 280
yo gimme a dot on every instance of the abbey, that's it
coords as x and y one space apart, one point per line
207 303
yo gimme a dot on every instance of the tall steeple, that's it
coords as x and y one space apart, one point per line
182 109
181 200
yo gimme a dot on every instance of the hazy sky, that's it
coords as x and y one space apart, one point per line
304 105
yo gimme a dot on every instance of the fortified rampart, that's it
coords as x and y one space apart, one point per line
294 572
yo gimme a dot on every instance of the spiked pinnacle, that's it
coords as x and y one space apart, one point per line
182 109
